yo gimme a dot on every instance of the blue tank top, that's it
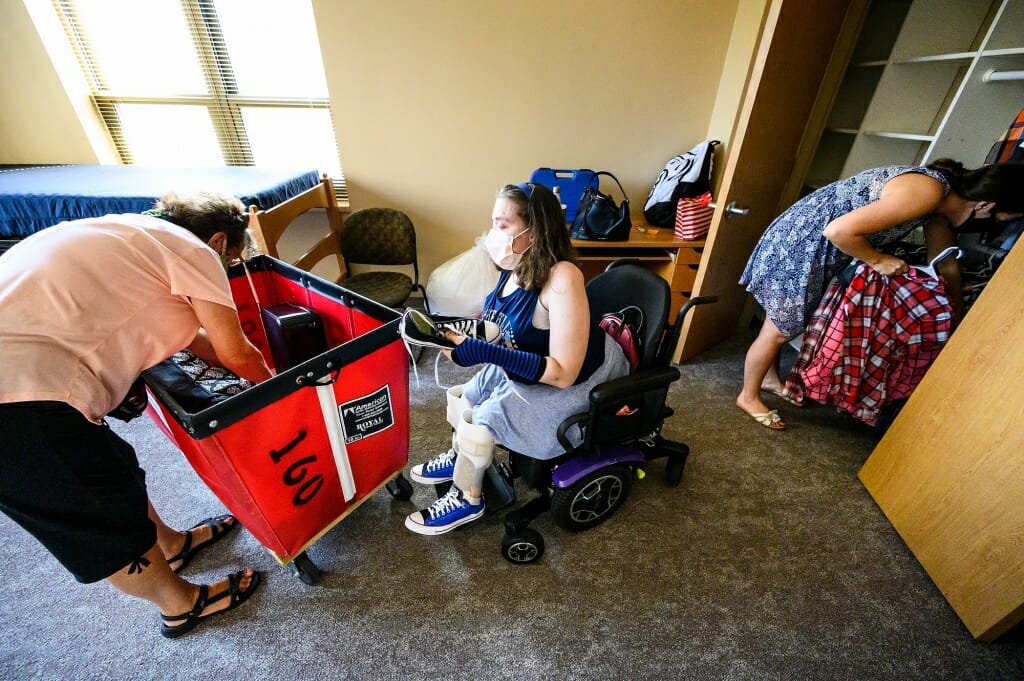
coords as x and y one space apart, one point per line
514 316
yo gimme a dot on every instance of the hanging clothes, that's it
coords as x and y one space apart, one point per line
871 342
1010 146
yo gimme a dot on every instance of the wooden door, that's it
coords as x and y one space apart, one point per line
792 61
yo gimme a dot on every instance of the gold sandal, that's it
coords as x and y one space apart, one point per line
784 395
768 419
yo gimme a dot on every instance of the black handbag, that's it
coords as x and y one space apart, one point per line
134 403
598 218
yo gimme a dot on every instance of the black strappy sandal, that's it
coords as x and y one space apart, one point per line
193 617
220 526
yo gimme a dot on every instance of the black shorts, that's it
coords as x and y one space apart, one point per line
75 486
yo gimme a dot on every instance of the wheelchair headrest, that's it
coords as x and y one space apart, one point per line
628 284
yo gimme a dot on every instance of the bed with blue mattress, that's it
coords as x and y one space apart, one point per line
33 198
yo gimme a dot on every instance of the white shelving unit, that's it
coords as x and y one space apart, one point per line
919 86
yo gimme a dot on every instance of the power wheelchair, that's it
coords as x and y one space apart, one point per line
621 430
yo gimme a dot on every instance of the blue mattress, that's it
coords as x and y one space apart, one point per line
32 199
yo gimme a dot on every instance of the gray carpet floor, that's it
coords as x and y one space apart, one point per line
769 561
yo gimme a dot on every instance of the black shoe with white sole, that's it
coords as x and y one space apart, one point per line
422 329
417 328
489 332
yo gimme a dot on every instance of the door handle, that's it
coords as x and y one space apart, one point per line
732 209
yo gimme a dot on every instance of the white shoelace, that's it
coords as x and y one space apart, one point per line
415 371
439 461
446 504
489 332
412 357
465 327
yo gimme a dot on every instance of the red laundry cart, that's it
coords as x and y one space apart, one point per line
292 456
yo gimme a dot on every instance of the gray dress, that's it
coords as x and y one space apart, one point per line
793 262
524 418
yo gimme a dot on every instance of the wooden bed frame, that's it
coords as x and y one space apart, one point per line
267 226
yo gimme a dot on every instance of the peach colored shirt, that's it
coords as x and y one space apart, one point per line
86 305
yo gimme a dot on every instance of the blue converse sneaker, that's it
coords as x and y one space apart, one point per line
439 469
445 514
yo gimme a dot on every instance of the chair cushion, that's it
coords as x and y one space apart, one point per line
379 236
387 288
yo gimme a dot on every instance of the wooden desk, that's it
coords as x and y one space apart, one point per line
673 260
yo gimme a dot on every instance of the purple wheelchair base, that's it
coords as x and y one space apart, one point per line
568 473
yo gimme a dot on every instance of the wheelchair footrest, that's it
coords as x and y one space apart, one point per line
499 490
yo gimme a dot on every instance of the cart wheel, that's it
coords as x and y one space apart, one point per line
592 500
303 568
399 488
674 470
523 548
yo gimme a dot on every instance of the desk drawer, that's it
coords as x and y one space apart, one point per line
683 278
688 255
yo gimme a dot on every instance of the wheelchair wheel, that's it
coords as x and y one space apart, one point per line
592 499
523 548
304 568
399 488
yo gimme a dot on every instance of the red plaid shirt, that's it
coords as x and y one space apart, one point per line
871 343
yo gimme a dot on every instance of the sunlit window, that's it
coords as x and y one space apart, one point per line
207 82
255 45
170 135
140 48
306 129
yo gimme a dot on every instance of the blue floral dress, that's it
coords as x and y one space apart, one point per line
793 262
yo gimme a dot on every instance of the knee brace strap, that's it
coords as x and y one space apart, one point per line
457 403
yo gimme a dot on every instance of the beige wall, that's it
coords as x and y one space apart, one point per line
746 31
438 103
38 122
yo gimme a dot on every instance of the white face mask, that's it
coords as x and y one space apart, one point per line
499 247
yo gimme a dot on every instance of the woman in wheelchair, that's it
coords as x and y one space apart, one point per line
550 355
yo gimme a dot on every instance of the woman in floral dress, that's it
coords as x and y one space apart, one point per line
812 241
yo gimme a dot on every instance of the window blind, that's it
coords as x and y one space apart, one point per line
207 82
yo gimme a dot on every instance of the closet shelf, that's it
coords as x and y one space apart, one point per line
898 135
871 63
916 88
926 59
1005 52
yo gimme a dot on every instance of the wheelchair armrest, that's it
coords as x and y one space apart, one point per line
634 384
618 390
564 427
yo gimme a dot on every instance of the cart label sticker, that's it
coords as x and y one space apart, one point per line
367 415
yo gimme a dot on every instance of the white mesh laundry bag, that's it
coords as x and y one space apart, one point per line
459 286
